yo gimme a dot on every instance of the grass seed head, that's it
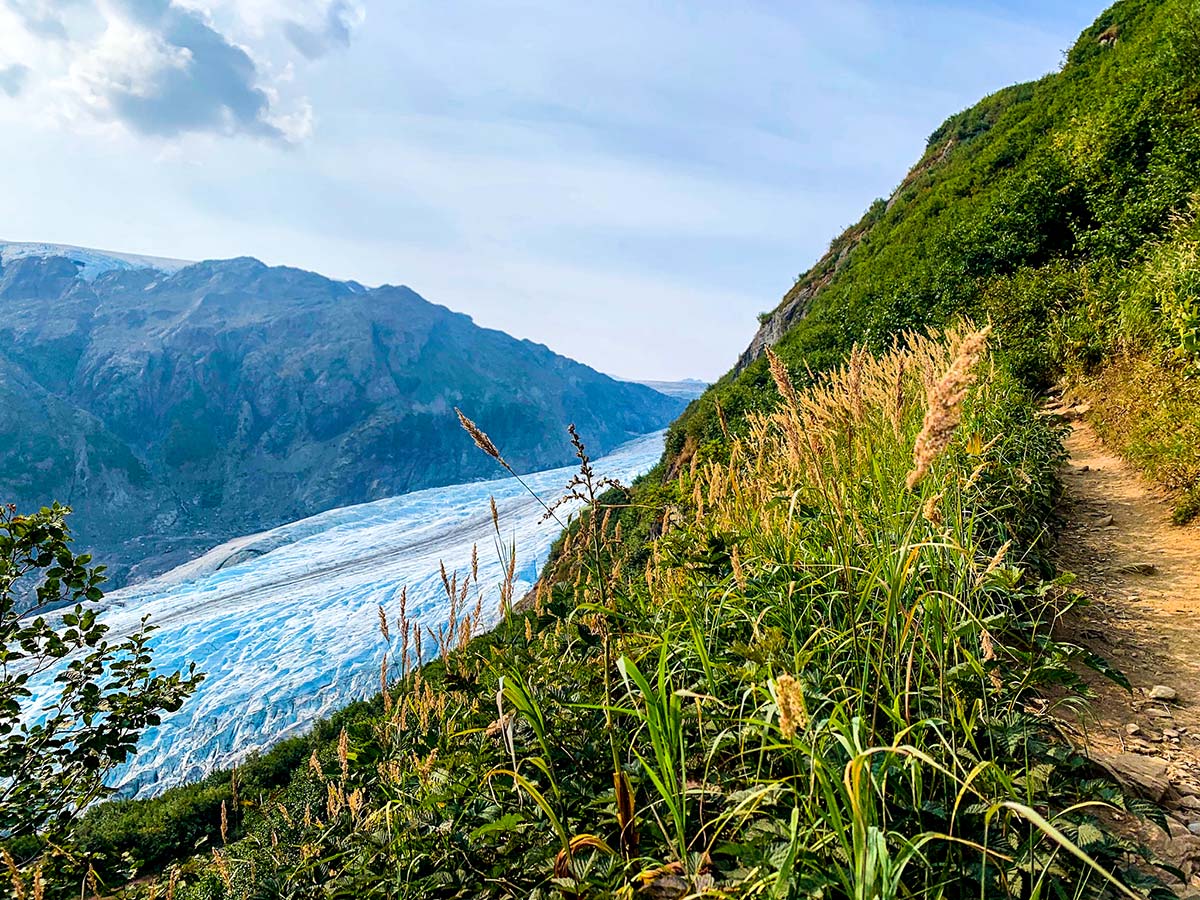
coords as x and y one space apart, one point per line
792 713
482 441
343 752
783 380
945 399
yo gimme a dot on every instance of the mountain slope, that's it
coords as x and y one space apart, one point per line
177 408
1035 208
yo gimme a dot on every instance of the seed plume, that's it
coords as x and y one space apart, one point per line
945 401
783 381
482 441
792 713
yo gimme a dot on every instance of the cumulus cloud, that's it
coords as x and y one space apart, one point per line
12 78
166 67
333 30
164 70
39 17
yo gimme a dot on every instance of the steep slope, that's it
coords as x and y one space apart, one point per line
174 409
1035 208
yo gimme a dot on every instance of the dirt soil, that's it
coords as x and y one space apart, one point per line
1143 576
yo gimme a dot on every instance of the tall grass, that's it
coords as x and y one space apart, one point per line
1145 396
827 677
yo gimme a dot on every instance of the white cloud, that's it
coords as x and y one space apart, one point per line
166 68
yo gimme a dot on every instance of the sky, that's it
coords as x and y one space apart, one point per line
629 183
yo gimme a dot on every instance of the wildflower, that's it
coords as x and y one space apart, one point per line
945 405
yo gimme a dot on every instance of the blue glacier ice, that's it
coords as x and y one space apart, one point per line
285 623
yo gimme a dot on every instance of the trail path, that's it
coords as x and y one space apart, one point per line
1143 576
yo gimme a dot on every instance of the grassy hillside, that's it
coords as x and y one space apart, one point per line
1061 210
823 681
811 654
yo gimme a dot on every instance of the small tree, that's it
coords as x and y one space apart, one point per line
55 753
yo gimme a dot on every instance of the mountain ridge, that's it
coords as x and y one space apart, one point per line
178 408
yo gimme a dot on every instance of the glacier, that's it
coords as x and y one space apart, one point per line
285 623
91 263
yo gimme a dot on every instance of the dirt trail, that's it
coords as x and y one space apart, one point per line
1143 575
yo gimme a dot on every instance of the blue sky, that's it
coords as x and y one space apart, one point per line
626 182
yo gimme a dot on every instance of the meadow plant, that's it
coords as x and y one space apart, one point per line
826 672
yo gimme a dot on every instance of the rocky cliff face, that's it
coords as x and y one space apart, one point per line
176 409
796 302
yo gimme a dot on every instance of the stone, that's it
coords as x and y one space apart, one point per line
1145 775
1163 692
1137 569
1155 713
1133 728
1104 521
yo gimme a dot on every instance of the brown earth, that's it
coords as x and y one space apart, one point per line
1142 575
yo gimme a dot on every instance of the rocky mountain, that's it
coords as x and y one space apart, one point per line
175 405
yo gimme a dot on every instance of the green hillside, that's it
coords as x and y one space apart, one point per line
813 653
1061 210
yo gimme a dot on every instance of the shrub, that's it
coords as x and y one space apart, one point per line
54 759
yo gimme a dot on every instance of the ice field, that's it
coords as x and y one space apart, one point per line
285 623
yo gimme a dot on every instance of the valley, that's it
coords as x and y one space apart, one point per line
175 406
900 607
285 624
